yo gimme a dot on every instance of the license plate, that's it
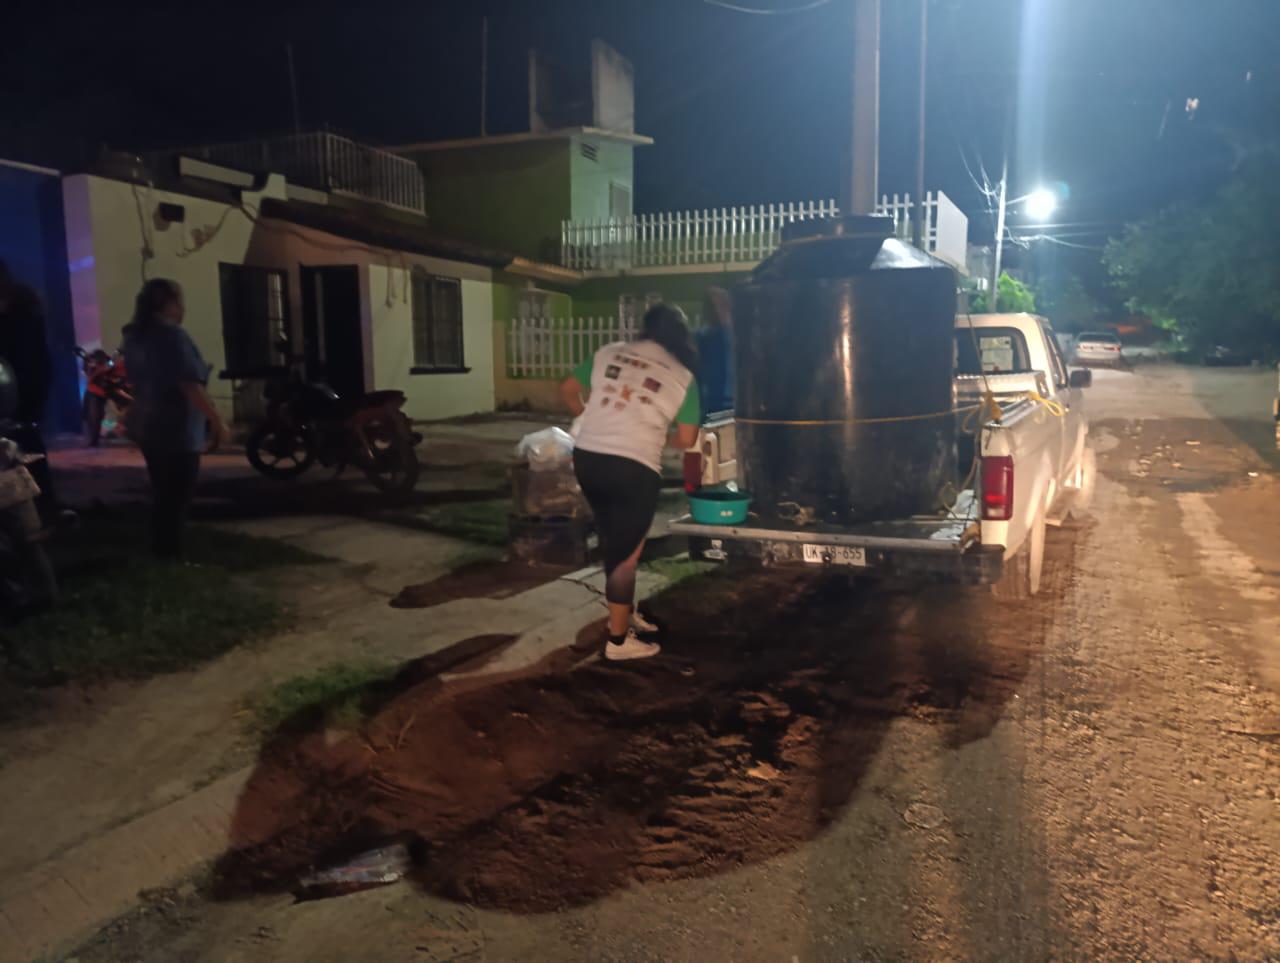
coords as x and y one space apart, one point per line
835 555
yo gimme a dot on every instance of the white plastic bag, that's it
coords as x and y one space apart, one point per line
546 450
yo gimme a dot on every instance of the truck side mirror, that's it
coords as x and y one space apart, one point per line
1081 378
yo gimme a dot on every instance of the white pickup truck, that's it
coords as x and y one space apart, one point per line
1034 467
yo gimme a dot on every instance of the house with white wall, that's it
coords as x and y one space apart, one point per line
351 279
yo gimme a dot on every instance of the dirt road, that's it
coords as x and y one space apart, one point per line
816 772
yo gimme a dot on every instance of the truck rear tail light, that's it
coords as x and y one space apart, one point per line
692 471
997 488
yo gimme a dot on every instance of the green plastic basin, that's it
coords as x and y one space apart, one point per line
717 507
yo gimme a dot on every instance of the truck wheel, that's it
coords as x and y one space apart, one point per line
1021 578
1012 586
1035 554
1086 480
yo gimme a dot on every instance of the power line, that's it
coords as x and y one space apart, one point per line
814 4
1055 240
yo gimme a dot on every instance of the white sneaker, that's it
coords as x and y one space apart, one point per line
630 648
642 625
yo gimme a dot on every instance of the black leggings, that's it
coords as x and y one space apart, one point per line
623 495
173 483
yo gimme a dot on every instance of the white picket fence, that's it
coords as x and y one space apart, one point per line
729 235
945 228
550 347
740 235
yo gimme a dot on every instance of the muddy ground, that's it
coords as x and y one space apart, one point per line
815 770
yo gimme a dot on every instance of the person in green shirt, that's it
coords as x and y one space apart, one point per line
626 397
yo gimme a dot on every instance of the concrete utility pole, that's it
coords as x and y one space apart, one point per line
918 212
993 297
865 153
293 88
484 76
1001 203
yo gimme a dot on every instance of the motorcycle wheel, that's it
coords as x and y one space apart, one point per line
280 452
395 468
27 581
95 410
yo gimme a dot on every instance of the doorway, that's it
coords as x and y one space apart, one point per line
332 339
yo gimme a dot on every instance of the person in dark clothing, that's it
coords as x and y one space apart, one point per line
23 345
628 396
171 417
715 353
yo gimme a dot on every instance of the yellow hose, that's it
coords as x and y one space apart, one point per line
989 409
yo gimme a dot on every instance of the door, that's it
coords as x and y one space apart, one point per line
255 312
332 339
1068 397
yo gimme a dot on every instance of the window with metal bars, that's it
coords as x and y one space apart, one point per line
254 319
437 323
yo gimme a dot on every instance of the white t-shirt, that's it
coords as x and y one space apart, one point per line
637 390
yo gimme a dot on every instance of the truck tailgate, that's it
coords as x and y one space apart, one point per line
925 545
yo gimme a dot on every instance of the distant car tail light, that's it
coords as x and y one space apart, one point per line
997 488
692 471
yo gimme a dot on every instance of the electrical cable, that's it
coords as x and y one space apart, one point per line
147 251
814 4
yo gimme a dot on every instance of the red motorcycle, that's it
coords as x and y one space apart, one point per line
106 387
307 422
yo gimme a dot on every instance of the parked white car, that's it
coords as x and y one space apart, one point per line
1098 347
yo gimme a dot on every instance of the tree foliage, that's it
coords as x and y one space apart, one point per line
1208 270
1065 302
1012 296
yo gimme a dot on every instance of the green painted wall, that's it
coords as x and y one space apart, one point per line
506 297
590 180
598 297
510 196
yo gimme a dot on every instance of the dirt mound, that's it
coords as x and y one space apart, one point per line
485 580
555 789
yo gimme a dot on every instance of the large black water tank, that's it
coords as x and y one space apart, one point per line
845 323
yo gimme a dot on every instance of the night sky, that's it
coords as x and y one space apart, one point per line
743 108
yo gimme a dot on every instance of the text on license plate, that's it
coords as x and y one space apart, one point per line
835 555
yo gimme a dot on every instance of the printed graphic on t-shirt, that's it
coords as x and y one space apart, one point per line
642 389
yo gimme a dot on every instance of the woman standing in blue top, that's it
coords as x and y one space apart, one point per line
171 418
628 395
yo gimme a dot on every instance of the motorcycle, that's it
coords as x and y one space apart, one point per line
26 575
307 422
106 383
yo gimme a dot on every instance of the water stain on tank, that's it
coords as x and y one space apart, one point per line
844 373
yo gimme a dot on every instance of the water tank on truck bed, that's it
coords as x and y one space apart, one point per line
843 342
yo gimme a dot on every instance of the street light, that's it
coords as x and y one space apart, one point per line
1040 204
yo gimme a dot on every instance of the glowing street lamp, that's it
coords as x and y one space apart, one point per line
1040 204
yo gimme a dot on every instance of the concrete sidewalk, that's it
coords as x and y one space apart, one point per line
135 788
136 795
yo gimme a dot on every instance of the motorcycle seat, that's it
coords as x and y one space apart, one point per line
374 399
386 396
